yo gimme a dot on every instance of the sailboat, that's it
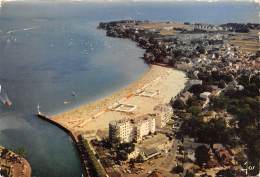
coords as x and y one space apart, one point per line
73 93
7 101
4 98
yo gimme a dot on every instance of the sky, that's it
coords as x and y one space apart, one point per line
111 1
258 1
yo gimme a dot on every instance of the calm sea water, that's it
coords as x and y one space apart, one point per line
48 50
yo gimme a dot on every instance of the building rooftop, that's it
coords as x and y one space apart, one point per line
155 174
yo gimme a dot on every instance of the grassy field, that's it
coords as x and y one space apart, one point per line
247 41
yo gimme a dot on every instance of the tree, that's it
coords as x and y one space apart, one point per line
222 84
205 175
96 168
197 89
202 155
127 147
122 155
226 173
220 102
178 169
201 49
195 110
178 104
20 151
4 153
189 174
194 101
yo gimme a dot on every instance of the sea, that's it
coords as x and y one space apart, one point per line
52 55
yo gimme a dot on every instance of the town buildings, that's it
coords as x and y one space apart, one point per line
133 130
212 62
129 130
163 114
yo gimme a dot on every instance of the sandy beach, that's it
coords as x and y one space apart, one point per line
89 118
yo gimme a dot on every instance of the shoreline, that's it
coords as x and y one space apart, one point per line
60 120
92 118
103 99
91 111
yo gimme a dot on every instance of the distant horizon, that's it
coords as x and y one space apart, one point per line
109 1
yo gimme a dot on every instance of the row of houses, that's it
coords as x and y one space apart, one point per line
219 154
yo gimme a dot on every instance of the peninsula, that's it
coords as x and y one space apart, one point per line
12 164
190 114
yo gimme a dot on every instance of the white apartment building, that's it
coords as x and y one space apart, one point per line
122 131
163 114
125 131
144 126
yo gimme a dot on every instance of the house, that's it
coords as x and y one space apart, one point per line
147 154
149 57
194 82
184 96
215 90
222 154
184 66
209 116
205 95
190 146
167 59
168 28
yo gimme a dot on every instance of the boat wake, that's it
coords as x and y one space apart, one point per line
17 30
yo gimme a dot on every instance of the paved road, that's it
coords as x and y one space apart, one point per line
170 161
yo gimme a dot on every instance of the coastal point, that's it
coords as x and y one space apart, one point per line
12 164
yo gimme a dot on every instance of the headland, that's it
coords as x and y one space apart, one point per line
12 164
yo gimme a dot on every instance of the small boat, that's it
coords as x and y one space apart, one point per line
5 100
73 93
8 103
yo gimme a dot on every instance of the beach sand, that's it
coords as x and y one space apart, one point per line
89 118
